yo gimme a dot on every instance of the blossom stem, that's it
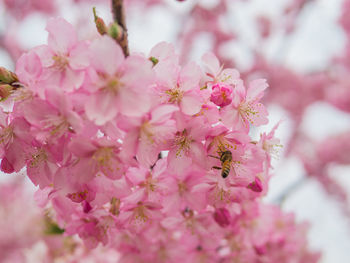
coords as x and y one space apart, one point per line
119 17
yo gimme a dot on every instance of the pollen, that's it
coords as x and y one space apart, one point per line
60 62
182 188
175 95
247 111
113 85
150 184
104 158
146 130
6 135
140 214
37 158
272 148
182 142
57 124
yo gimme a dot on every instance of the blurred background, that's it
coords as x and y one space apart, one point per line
301 47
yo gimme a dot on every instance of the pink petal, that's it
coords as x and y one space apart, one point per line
190 76
191 103
79 56
230 76
132 102
101 107
171 222
260 118
137 72
147 153
256 89
45 54
198 154
178 163
211 63
71 79
28 67
82 147
162 113
130 144
164 51
106 55
62 36
167 73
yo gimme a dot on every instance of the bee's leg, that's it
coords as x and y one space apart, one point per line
214 156
216 167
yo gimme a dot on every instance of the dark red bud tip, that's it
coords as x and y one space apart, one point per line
260 250
86 207
6 166
256 186
222 217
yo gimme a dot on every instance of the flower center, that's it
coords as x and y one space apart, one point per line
61 62
247 111
38 157
113 85
182 187
6 135
57 124
140 214
183 142
146 130
150 184
103 156
175 95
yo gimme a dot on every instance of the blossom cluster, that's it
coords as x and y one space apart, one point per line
145 155
35 237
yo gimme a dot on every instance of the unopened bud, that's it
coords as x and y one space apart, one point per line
221 94
115 31
100 24
5 91
6 166
7 76
154 60
256 186
222 217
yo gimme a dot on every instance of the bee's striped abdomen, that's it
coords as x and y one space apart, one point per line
226 166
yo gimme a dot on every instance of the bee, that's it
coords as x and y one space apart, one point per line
226 160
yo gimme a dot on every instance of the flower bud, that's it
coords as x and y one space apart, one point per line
5 91
222 217
221 94
6 166
7 76
154 60
100 24
114 31
256 186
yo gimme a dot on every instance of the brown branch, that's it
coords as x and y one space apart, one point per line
119 18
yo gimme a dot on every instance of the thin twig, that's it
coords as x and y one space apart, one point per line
289 190
119 17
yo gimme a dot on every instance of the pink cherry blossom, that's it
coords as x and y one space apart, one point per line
118 84
246 108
